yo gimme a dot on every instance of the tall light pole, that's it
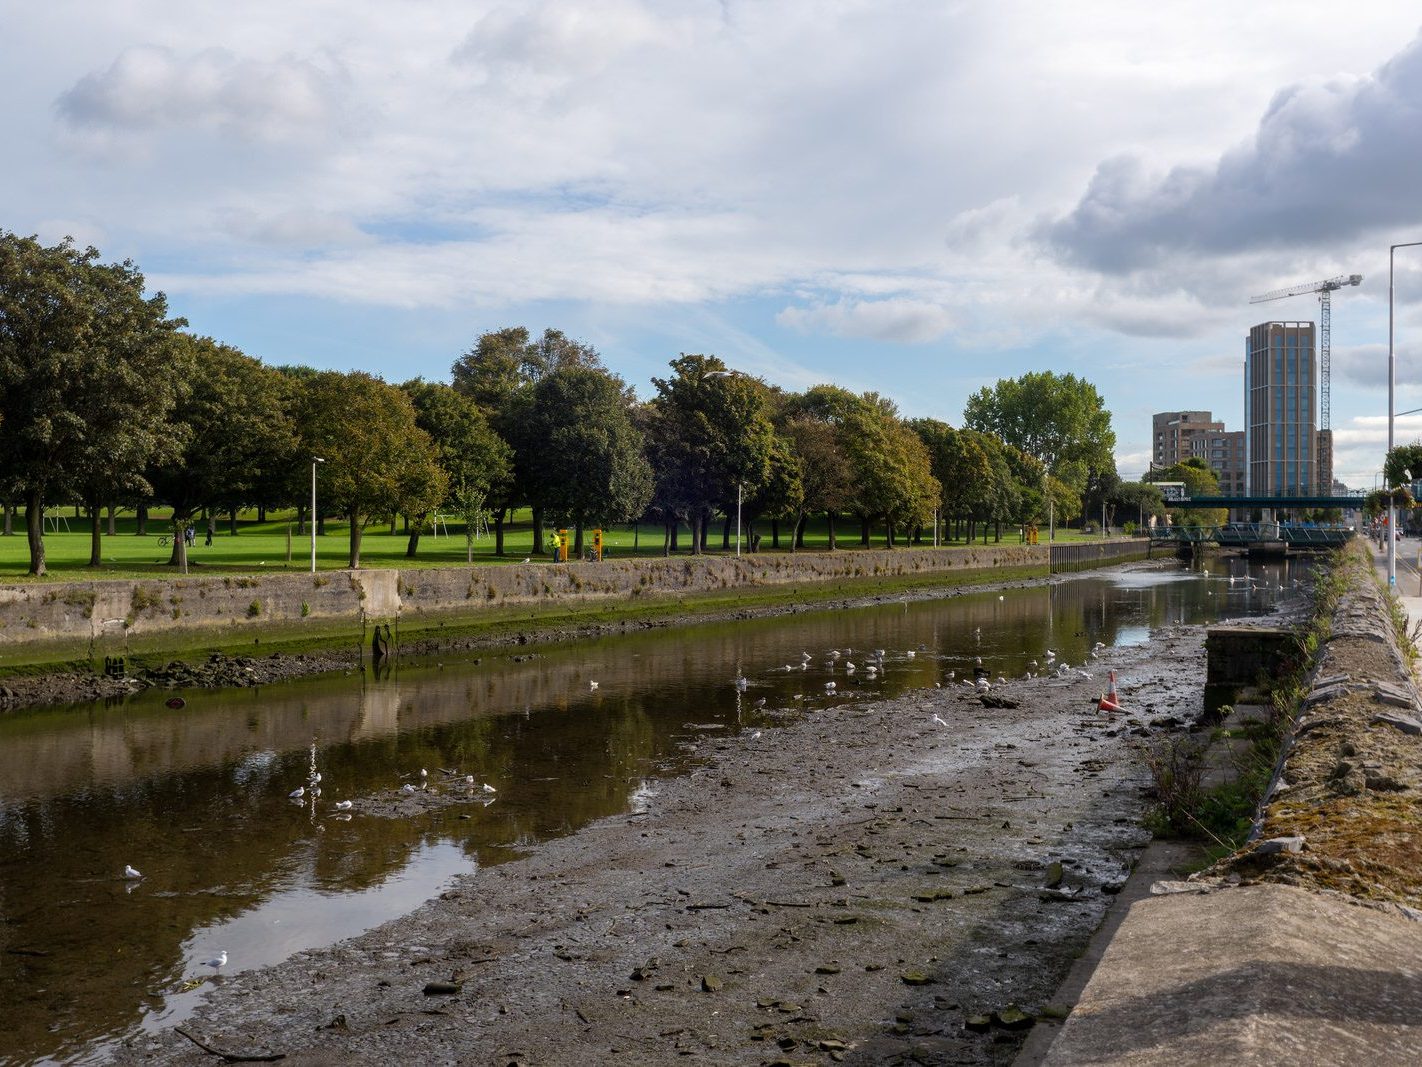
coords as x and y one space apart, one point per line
1391 393
314 460
739 487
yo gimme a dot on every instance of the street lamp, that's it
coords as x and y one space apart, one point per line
1391 416
314 460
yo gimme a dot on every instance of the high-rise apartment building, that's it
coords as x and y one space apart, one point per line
1282 441
1173 434
1182 435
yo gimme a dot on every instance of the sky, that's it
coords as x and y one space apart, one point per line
914 197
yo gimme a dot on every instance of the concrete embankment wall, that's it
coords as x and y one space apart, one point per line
1268 957
97 618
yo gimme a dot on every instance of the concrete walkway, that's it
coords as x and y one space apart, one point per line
1409 577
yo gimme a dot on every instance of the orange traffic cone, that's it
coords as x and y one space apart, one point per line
1109 700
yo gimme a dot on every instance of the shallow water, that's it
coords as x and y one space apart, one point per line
197 799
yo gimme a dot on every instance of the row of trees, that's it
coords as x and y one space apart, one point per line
105 399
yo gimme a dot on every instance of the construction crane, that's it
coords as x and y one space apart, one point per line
1324 289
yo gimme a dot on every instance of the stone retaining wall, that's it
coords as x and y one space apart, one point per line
97 617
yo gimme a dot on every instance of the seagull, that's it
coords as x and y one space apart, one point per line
952 674
343 805
760 703
592 685
1001 597
316 778
526 559
938 720
910 653
806 657
218 962
298 792
849 666
130 873
407 788
424 773
468 779
829 687
742 683
489 789
755 736
1051 655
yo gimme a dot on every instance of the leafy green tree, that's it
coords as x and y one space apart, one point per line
782 494
236 430
498 374
826 477
377 459
1141 499
1199 481
709 430
893 476
1059 418
474 458
591 468
86 374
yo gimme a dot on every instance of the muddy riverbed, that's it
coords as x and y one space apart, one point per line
858 884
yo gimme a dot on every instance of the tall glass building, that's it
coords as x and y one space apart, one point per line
1286 454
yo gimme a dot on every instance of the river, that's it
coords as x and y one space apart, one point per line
197 799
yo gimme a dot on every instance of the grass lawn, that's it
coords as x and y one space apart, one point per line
276 546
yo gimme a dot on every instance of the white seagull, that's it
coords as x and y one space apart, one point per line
343 805
218 962
297 793
938 720
130 873
592 685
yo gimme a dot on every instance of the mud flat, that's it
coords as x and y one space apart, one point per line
861 884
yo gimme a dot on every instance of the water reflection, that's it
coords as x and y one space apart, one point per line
198 799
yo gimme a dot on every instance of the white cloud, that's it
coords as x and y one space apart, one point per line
1331 160
901 319
148 88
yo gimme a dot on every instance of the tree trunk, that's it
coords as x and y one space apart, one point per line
113 520
797 539
395 523
140 518
864 532
578 540
34 531
774 533
9 519
300 519
96 539
829 519
261 513
232 522
888 533
320 519
179 556
414 542
726 533
749 530
499 531
354 562
668 537
537 532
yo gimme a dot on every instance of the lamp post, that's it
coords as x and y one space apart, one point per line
739 488
314 460
1391 392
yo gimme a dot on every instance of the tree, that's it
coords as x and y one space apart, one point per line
1199 480
86 373
591 469
497 374
377 459
826 478
473 457
1060 419
236 432
893 476
709 430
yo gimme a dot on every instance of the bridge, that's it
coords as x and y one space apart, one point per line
1254 534
1297 498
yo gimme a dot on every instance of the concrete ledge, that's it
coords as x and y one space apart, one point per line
1254 975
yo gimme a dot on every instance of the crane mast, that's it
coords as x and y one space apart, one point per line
1324 289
